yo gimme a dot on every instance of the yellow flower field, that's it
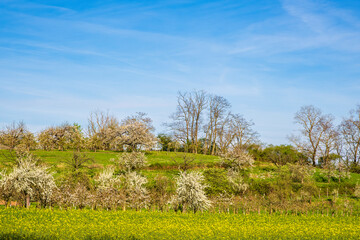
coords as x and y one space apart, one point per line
91 224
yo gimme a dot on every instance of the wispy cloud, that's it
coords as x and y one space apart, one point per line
61 61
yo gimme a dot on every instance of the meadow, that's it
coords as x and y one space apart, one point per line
89 224
254 215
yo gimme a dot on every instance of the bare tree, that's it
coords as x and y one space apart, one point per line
199 99
218 110
350 132
181 124
78 161
244 135
225 134
100 125
313 128
187 118
235 132
328 140
185 162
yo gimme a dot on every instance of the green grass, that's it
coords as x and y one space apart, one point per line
103 157
162 163
90 224
158 162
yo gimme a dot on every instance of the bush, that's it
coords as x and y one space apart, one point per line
131 161
216 181
260 187
237 160
357 191
107 179
190 192
237 182
137 195
355 168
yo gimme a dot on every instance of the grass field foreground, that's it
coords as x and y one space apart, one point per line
87 224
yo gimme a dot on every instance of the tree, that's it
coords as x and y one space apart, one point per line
165 141
199 99
78 161
17 134
225 134
235 132
350 132
218 111
62 137
282 155
190 192
100 130
328 142
313 125
237 160
187 118
77 140
244 135
29 180
136 133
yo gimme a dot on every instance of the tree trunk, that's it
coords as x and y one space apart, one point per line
27 201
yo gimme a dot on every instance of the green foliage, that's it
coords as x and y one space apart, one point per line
282 155
166 142
291 181
262 187
216 181
355 168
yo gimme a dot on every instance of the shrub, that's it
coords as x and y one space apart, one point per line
190 192
260 187
131 161
160 191
137 195
106 178
355 168
237 160
237 182
357 191
300 173
217 181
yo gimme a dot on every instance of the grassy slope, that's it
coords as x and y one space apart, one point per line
103 157
158 163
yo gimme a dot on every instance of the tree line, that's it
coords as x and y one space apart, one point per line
104 132
202 123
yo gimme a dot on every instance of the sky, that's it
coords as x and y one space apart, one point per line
61 60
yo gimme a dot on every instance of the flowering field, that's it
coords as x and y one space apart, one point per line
91 224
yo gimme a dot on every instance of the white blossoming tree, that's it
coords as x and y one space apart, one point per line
190 192
29 181
131 161
137 195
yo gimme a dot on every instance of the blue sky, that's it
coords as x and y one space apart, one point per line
60 60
